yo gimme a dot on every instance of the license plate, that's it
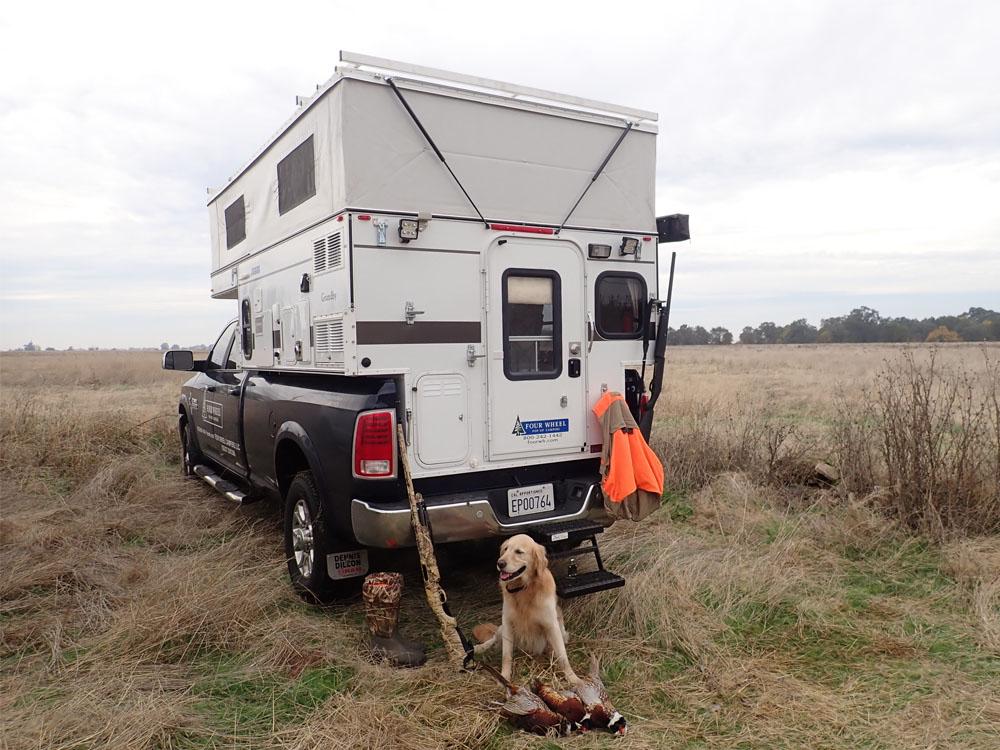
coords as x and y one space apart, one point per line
347 564
527 501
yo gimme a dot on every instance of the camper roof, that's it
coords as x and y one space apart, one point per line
419 77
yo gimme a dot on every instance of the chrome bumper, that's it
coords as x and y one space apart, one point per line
455 521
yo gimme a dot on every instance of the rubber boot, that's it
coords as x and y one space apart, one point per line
382 594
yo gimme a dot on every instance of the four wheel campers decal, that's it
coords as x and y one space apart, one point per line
539 430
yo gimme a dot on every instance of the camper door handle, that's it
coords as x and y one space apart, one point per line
590 332
471 356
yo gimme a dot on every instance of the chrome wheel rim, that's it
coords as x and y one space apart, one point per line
302 538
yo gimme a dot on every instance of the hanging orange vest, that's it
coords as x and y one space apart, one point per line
632 473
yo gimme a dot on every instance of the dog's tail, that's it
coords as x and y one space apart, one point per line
484 631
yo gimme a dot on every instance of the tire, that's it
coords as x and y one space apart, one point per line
308 541
190 455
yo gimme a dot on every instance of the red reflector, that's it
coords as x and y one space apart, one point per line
364 217
643 403
647 239
374 445
340 218
519 228
597 447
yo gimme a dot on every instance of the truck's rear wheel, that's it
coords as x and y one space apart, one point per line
307 543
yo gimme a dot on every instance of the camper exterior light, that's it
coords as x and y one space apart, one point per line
629 246
409 229
599 251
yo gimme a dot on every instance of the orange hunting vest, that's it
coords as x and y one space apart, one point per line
632 474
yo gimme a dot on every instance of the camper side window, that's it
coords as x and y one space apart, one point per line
532 324
236 223
296 176
620 299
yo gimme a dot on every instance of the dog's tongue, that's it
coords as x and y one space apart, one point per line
505 576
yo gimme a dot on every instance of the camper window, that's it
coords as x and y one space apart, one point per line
236 223
619 303
296 176
532 324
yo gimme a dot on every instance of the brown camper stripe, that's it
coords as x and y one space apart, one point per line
420 332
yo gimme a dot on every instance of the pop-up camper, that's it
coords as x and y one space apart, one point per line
485 252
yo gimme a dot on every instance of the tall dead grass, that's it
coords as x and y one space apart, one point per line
925 443
138 610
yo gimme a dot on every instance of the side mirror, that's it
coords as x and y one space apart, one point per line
178 359
673 228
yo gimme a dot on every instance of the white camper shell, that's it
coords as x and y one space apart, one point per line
354 251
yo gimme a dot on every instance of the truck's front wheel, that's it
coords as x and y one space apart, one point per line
307 543
190 455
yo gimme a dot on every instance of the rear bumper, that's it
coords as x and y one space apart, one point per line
459 518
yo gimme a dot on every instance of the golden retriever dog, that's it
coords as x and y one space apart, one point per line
532 620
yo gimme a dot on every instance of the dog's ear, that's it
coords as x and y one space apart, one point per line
541 559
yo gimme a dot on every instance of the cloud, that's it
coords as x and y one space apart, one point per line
827 152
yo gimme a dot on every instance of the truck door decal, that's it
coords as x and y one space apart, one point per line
212 413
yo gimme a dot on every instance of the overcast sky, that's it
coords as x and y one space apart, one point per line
831 154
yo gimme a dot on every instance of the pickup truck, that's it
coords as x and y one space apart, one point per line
323 446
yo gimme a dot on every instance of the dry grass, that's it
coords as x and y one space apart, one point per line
138 610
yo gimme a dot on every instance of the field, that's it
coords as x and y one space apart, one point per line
139 610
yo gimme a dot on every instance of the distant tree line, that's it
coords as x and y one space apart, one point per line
861 325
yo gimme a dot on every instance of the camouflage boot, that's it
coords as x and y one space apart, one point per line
382 594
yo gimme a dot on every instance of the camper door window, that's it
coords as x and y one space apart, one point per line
532 324
619 302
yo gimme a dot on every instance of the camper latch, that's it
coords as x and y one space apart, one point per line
381 228
471 356
411 313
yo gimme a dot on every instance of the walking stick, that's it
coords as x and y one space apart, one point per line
460 651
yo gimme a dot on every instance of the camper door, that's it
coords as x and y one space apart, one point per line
536 338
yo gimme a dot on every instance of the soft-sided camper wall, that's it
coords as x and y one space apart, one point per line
522 161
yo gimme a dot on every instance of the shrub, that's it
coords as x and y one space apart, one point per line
926 441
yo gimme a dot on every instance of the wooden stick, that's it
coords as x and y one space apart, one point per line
436 597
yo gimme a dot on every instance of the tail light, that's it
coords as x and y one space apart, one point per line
375 445
643 403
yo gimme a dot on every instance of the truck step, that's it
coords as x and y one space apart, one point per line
587 583
229 490
565 531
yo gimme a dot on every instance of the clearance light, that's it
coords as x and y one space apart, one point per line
629 246
599 251
409 229
521 228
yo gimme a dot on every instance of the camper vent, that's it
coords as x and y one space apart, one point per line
328 342
327 254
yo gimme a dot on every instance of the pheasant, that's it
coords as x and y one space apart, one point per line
566 703
526 710
594 696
